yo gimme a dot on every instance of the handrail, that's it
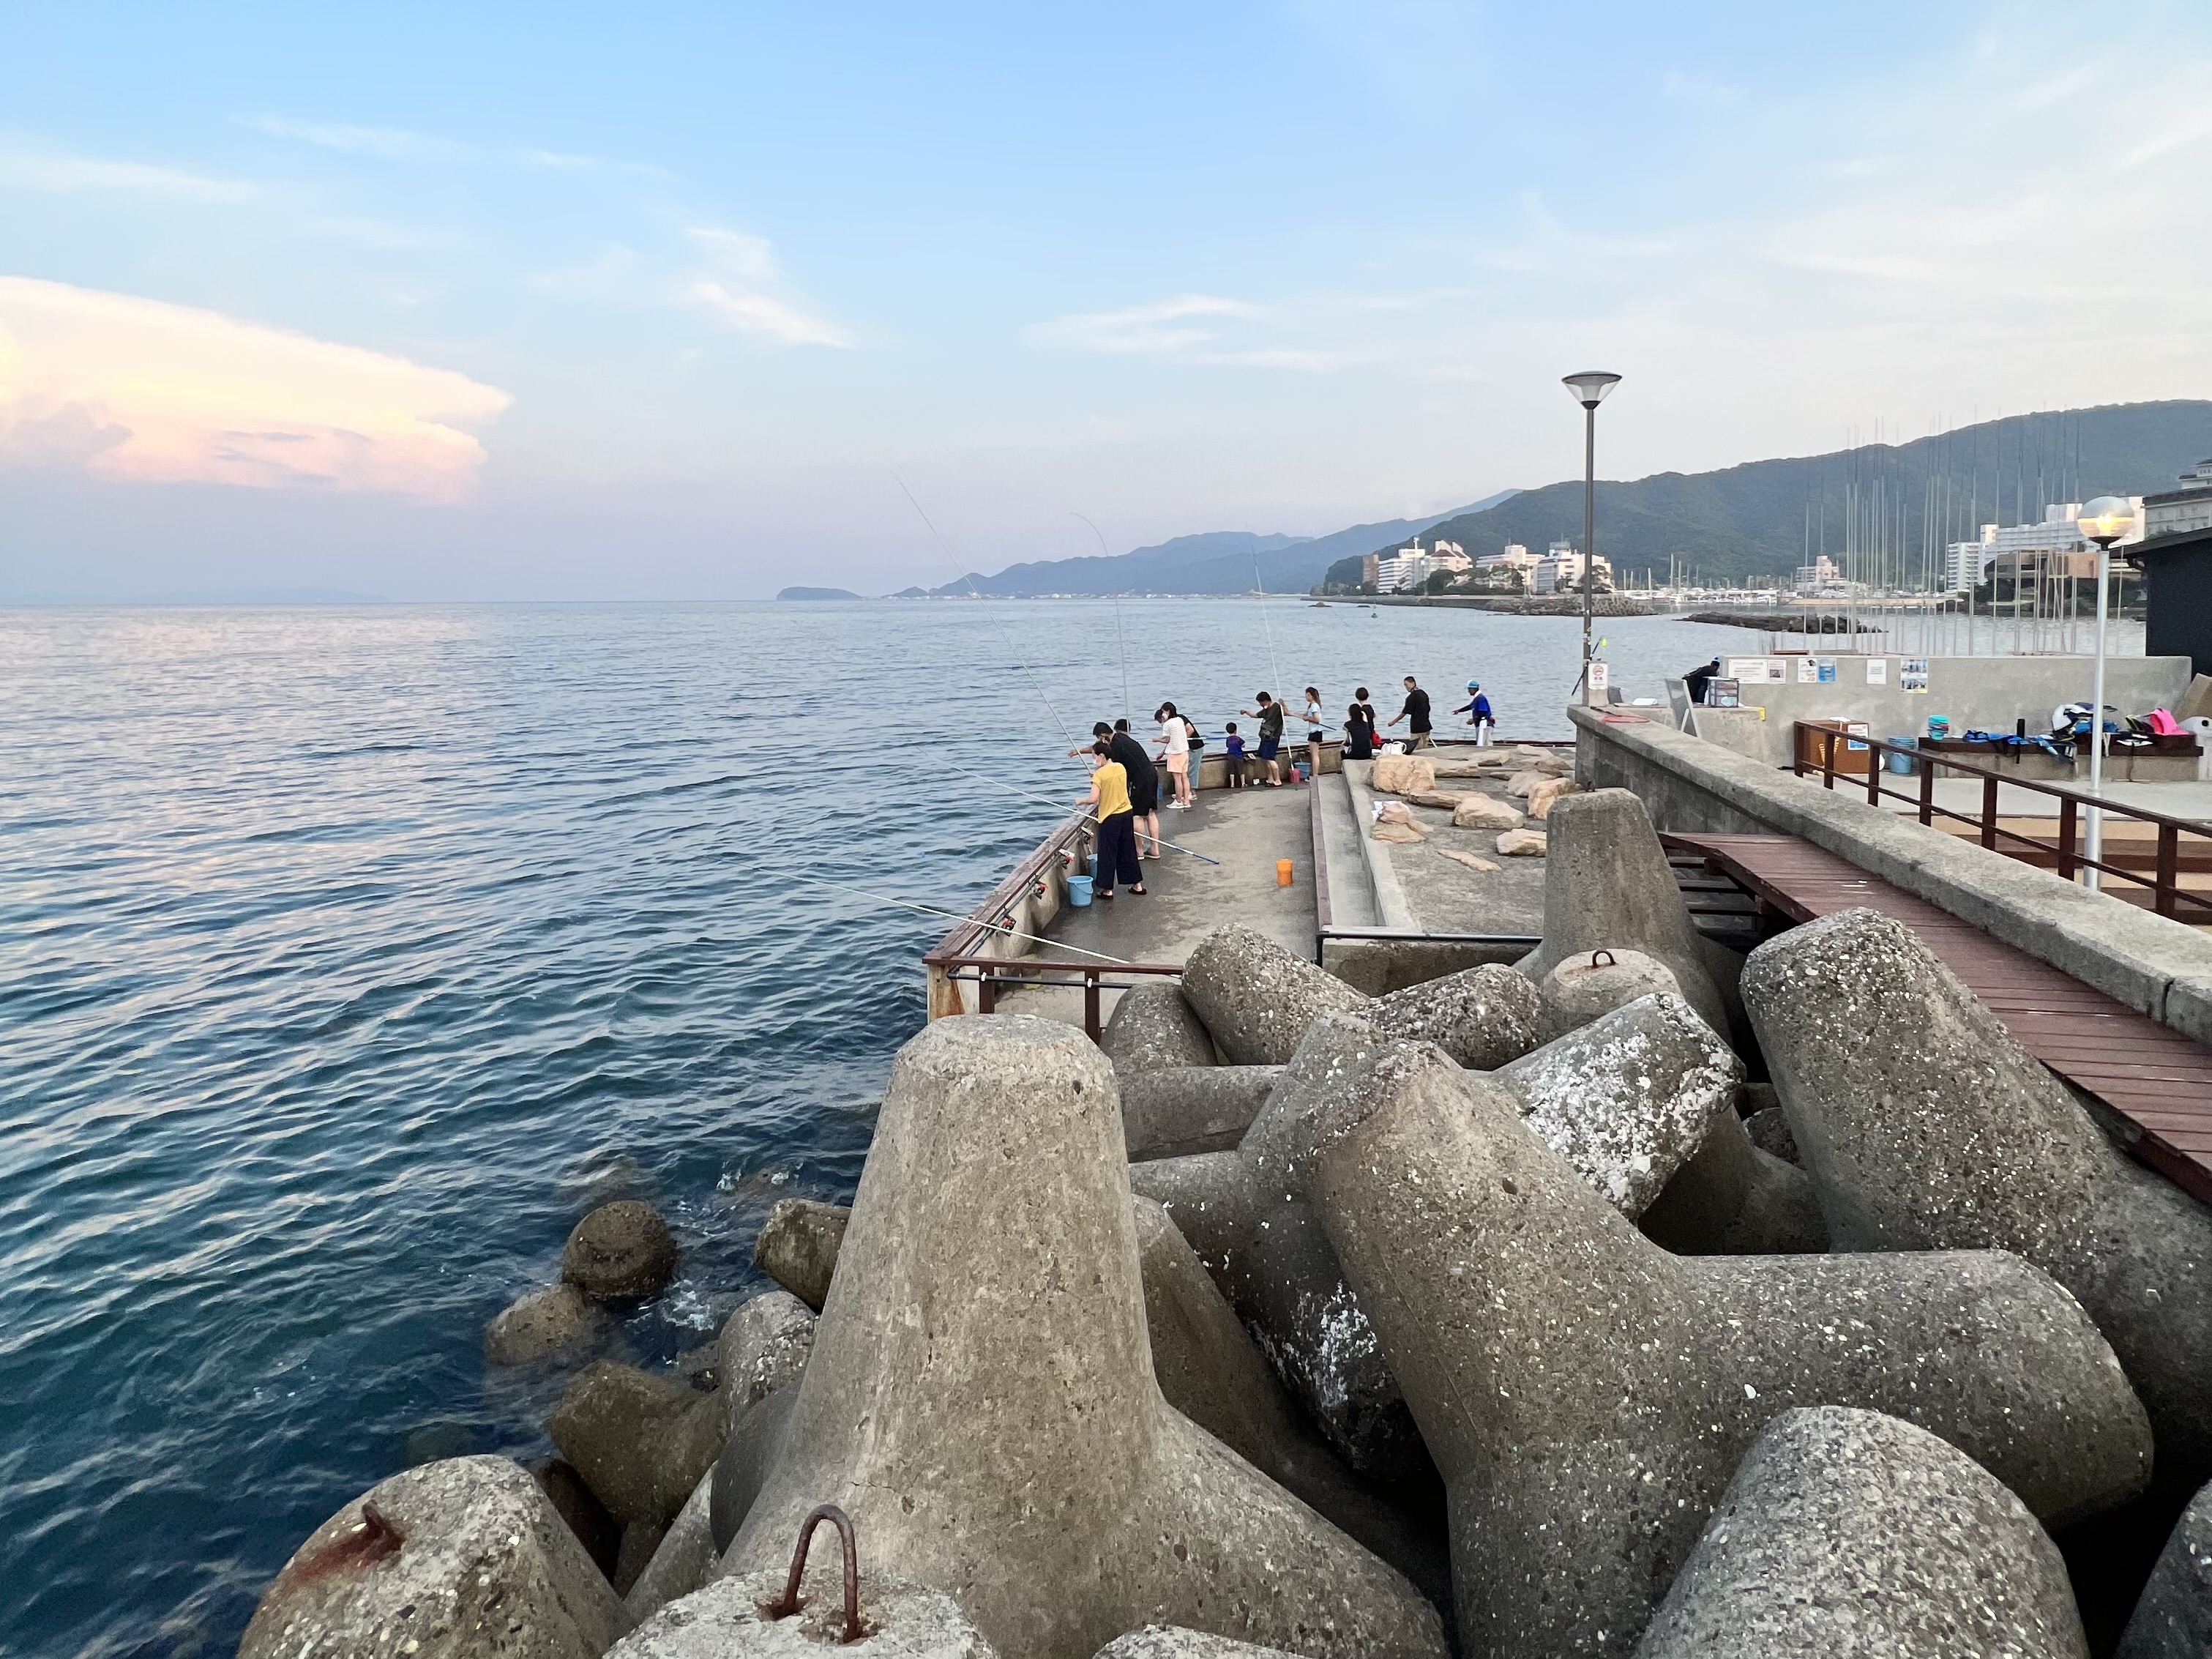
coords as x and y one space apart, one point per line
2166 891
998 902
983 972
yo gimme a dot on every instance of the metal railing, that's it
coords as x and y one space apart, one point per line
2165 864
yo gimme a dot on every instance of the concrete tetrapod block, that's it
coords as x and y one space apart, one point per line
980 1398
452 1560
763 1346
1924 1125
640 1442
1735 1198
619 1252
2173 1617
1248 1217
684 1559
1482 1016
1182 1109
1589 986
1153 1027
1848 1532
1588 1396
1629 1100
1256 997
1165 1642
1608 887
730 1618
798 1247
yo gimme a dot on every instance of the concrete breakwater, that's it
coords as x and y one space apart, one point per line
1470 1318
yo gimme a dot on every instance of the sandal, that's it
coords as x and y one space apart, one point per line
1138 889
1103 898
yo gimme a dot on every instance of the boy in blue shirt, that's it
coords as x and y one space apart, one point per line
1477 710
1236 745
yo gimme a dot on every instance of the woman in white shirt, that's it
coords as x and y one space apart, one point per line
1174 738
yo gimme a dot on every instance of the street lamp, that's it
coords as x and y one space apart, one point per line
2107 519
1588 389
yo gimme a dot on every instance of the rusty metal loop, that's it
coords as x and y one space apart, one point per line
790 1603
1607 963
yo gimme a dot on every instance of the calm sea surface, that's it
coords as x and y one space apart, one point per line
347 955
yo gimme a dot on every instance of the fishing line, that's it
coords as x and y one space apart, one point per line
951 559
994 926
985 777
1121 643
1274 668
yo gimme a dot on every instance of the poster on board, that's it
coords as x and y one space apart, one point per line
1912 675
1759 671
1809 671
1827 671
1877 670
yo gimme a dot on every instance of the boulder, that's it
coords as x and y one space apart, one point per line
1443 800
558 1319
1481 867
1924 1125
1257 998
1588 1396
1191 1109
1769 1130
1848 1532
1482 1016
1628 1099
1485 812
1735 1198
1541 797
1401 775
764 1347
1152 1027
1165 1642
2173 1617
1585 987
599 1532
980 1398
452 1560
620 1252
1521 782
1523 844
798 1247
682 1562
640 1442
1399 832
1609 886
733 1618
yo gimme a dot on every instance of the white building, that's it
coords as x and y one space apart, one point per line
2177 512
1823 576
1515 557
1403 571
1451 556
1560 571
2030 547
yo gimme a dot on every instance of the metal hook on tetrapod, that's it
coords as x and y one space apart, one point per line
789 1603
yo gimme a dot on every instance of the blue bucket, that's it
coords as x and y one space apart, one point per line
1078 890
1904 765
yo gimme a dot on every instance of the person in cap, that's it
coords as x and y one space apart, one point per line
1477 710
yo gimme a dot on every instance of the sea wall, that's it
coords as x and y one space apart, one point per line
2161 967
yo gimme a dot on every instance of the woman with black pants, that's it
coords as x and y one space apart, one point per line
1115 853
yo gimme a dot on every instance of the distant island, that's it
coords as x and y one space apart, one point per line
816 593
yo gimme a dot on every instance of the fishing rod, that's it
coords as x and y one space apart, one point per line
1121 644
1274 668
1009 931
969 579
985 777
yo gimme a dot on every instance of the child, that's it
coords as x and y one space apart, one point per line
1236 746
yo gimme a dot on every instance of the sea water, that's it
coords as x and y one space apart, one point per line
348 955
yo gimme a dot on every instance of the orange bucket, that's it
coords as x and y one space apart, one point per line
1282 872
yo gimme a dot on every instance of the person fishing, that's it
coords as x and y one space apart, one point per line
1477 710
1359 732
1115 853
1269 713
1314 735
1175 747
1417 711
1142 781
1695 682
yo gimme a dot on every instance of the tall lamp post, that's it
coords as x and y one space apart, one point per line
2104 521
1588 389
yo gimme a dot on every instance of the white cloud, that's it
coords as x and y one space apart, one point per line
1160 330
739 293
139 390
51 175
387 143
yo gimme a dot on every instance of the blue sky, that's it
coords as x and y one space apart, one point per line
551 302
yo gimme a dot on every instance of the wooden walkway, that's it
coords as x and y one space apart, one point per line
2157 1080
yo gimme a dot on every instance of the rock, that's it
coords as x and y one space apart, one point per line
2172 1619
1191 1109
980 1398
620 1252
1256 997
764 1347
1481 867
743 1468
1247 1220
728 1619
682 1562
1165 1642
1848 1532
1522 844
454 1560
1153 1028
1609 887
1401 775
1482 1016
558 1319
599 1532
1628 1099
1443 800
1770 1132
641 1542
1485 812
1398 832
798 1247
1541 797
1588 1396
1521 782
1924 1125
1585 987
1734 1198
640 1442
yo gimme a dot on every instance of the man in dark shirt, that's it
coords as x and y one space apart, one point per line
1696 679
1417 711
1144 788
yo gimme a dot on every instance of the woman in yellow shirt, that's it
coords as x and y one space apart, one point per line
1115 853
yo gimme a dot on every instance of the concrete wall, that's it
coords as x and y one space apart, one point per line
2160 967
1973 693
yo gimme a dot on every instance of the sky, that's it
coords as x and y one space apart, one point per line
559 302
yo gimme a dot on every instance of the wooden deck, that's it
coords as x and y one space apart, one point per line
2156 1081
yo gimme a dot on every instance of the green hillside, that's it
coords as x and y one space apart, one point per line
1757 519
